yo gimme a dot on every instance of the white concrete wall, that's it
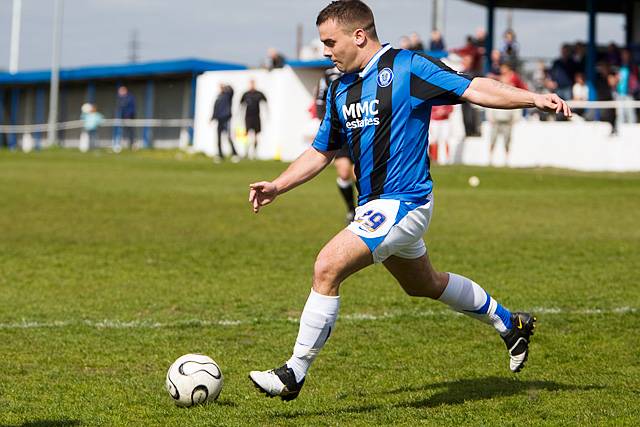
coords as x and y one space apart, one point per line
586 146
286 122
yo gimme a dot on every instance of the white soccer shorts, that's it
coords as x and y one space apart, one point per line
392 227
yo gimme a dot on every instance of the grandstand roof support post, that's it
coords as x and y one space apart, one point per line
116 133
55 73
591 49
192 105
633 23
2 135
40 98
13 117
147 132
488 44
91 92
63 114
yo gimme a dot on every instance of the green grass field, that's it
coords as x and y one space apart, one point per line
113 266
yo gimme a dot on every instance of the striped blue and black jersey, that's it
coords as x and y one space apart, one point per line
383 113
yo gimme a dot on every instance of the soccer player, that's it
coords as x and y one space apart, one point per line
380 109
342 158
251 99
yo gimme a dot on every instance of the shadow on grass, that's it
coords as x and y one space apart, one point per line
457 392
46 423
449 393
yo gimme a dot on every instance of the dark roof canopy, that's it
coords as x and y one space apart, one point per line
613 6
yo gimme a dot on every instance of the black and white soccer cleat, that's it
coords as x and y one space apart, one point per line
517 339
277 382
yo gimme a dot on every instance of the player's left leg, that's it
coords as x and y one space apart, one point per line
256 133
418 278
234 154
344 255
508 127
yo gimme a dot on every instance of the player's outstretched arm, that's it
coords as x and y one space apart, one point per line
494 94
305 167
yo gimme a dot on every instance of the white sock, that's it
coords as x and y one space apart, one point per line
344 183
317 320
467 297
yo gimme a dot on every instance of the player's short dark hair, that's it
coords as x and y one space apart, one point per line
352 14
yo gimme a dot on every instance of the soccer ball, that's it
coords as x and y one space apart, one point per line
194 379
474 181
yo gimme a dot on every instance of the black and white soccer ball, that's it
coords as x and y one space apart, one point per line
194 379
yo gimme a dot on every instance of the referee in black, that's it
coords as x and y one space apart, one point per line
251 99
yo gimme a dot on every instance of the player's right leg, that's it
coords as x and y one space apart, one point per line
218 158
344 255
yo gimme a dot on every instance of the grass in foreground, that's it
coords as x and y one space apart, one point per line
113 266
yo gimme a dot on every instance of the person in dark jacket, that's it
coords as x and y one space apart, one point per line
222 114
126 109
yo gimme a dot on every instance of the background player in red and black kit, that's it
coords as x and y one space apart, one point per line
251 100
342 160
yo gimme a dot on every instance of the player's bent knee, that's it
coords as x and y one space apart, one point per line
325 276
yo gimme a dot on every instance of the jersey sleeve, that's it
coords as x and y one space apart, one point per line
330 135
435 83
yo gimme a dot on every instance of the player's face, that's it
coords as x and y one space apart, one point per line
339 45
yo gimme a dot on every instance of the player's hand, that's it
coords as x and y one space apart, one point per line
552 103
262 193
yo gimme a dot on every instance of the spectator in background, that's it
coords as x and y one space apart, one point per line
480 42
508 75
439 134
502 120
125 109
330 75
580 57
251 99
92 120
472 51
634 77
613 54
342 159
436 43
580 92
626 78
222 114
510 48
405 43
470 115
611 115
562 72
416 42
274 59
540 77
604 84
496 61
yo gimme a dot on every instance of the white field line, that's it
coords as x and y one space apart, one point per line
354 317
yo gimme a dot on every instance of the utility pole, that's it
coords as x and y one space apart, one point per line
298 40
55 72
509 19
134 47
437 18
15 37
